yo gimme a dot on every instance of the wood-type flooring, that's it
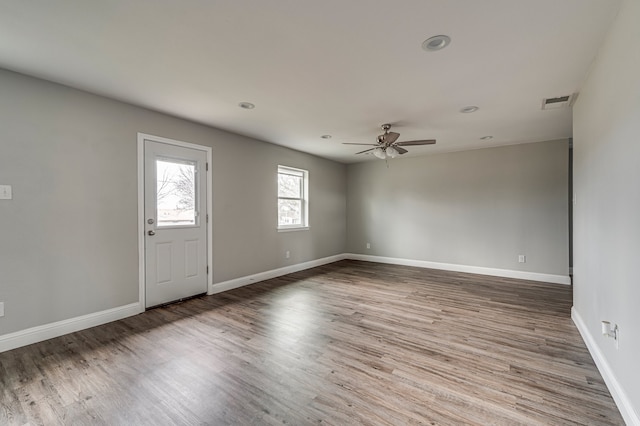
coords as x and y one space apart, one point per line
342 344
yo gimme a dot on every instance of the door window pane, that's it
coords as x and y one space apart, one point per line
176 193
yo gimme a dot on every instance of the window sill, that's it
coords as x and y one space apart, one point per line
301 228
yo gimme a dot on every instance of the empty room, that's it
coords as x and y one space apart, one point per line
296 212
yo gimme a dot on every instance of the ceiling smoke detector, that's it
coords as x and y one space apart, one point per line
559 102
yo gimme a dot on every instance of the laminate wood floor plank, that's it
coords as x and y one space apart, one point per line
346 343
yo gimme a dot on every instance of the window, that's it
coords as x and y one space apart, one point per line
176 192
293 198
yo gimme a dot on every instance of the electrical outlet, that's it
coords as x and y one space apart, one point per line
287 254
611 330
368 246
522 258
1 309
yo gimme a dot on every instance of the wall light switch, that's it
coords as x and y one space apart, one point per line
1 309
5 192
522 258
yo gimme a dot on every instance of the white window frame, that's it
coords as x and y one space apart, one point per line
304 174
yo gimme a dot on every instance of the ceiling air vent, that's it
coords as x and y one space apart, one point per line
559 102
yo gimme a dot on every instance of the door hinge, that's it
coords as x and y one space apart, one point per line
207 269
206 166
207 217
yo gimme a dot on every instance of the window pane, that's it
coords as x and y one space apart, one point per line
289 212
176 193
289 186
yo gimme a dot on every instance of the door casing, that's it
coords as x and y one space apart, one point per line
141 213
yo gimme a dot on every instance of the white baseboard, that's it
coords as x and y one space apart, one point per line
59 328
507 273
267 275
619 396
252 279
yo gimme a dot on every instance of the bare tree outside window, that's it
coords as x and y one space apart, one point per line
176 193
185 185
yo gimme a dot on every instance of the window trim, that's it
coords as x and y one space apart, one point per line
304 174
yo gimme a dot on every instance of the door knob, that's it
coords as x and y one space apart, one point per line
151 232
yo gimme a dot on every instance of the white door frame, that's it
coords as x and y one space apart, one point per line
141 227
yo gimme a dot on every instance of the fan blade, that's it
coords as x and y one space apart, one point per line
351 143
366 150
423 142
391 137
400 150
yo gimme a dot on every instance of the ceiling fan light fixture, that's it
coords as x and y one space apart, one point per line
326 136
379 152
434 43
246 105
388 145
486 138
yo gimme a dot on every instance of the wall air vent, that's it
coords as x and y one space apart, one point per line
559 102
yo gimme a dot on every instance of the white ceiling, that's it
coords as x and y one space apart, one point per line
315 67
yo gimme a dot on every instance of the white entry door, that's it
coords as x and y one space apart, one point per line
175 198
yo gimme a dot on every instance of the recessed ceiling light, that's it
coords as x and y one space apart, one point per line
468 109
434 43
246 105
486 138
326 136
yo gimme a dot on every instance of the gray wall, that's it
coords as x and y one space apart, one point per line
68 239
474 208
607 211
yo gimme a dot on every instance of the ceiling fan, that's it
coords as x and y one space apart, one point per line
387 145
